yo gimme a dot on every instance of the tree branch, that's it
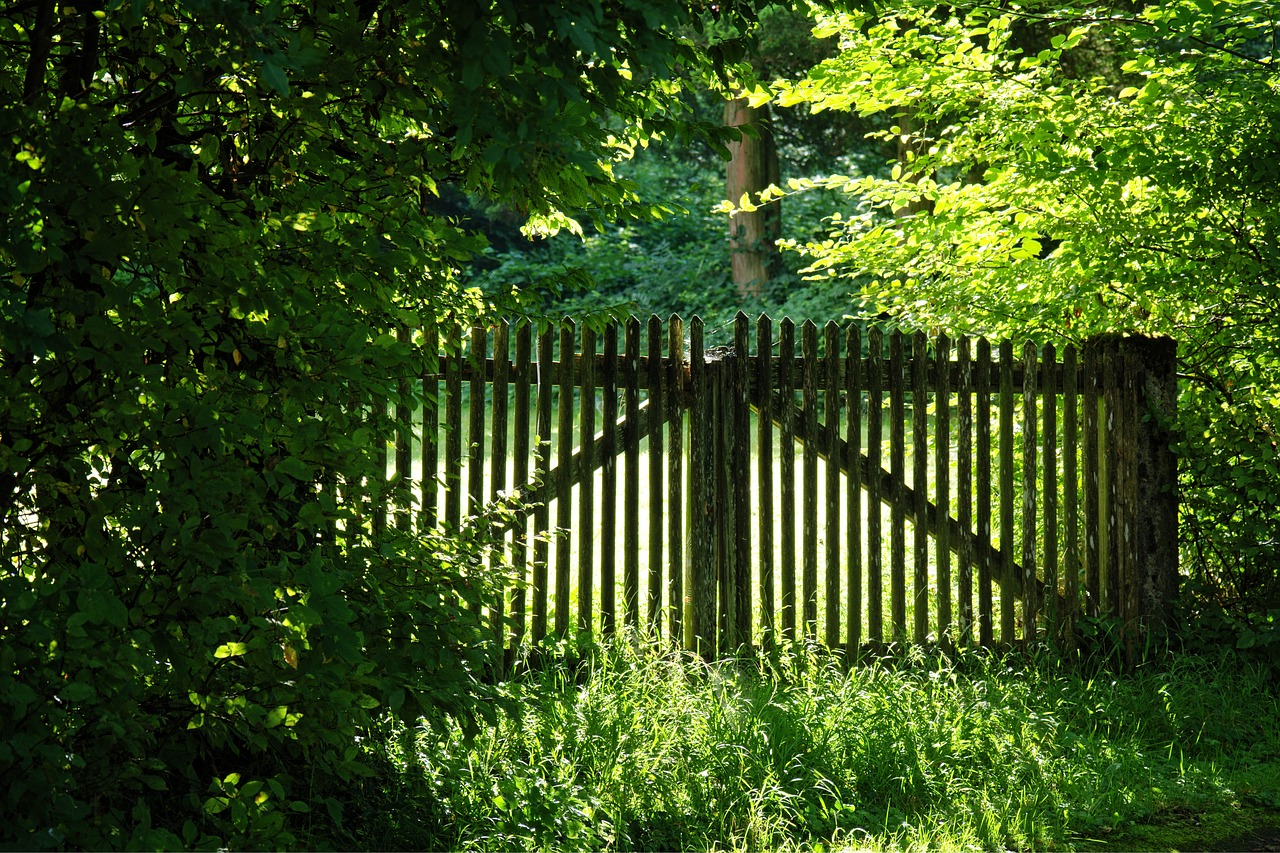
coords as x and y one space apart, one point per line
41 44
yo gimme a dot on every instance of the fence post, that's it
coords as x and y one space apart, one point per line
1156 572
700 582
740 462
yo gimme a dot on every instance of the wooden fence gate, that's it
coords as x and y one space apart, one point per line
939 491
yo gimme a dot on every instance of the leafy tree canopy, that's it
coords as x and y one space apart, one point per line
220 228
1073 168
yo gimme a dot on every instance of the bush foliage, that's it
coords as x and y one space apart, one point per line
1066 170
221 224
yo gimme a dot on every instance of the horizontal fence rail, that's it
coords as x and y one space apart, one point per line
841 484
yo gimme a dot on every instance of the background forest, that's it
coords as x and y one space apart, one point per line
224 221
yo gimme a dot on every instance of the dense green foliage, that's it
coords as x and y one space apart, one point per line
222 223
218 219
675 264
1070 169
650 752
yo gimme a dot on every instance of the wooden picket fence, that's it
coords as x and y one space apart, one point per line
853 493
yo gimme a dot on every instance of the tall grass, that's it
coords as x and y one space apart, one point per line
637 749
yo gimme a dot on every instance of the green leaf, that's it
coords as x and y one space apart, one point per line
274 76
294 467
228 650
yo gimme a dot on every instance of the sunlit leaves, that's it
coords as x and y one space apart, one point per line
1065 171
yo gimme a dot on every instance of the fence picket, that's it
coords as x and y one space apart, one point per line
897 465
831 411
404 445
787 474
1111 550
809 449
453 429
520 474
875 440
587 487
498 461
942 482
1128 464
430 433
675 479
920 484
853 496
1093 482
986 614
964 484
1030 606
631 483
1070 495
564 484
656 410
1049 466
740 399
702 533
475 423
764 471
1006 494
542 511
609 482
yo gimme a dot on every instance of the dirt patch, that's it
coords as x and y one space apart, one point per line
1248 829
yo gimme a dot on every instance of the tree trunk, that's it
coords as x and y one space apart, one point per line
910 146
753 236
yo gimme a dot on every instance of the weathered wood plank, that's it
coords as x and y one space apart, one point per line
920 484
498 466
702 533
724 509
1006 493
404 445
740 398
1071 496
764 474
674 400
809 512
986 569
430 437
587 489
641 370
853 493
655 402
897 466
942 485
609 483
631 481
453 431
1030 606
542 510
875 443
831 412
1129 480
1093 482
564 492
1112 511
475 424
787 473
520 450
964 485
1049 467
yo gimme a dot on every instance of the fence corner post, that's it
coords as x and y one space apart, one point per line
1157 479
